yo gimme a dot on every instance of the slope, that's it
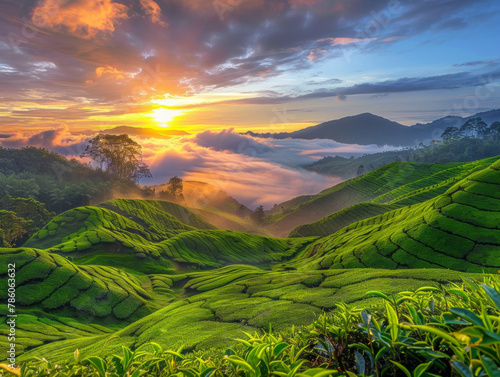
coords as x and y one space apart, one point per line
407 194
457 230
146 236
348 193
212 308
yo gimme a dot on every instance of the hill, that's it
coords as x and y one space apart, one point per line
354 191
457 230
128 272
152 236
406 193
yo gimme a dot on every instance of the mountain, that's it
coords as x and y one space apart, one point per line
361 129
145 132
367 128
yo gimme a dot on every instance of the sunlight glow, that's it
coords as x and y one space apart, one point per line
164 116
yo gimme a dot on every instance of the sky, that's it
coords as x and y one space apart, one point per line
69 68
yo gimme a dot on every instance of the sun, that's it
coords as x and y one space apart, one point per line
164 116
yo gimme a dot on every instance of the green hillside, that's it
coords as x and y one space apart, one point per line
210 309
353 191
457 230
151 236
408 193
129 272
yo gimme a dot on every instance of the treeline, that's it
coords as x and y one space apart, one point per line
57 182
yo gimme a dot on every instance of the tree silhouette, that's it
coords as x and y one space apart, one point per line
257 216
174 190
118 155
361 170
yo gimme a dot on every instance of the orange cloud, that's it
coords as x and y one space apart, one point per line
314 54
153 10
345 41
108 70
81 18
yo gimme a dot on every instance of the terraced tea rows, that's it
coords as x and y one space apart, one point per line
411 193
50 282
113 234
214 307
458 230
353 191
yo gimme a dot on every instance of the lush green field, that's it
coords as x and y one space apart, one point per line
458 230
131 272
407 191
357 190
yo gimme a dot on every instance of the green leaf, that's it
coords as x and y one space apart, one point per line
318 372
428 289
421 369
240 363
460 293
493 294
403 368
461 368
279 348
177 355
437 332
360 363
207 372
393 322
99 364
467 314
490 367
377 294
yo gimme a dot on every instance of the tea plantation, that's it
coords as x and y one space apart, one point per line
131 272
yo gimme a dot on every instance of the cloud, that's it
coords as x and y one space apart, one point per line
81 18
57 140
345 41
402 85
153 10
478 62
228 140
254 171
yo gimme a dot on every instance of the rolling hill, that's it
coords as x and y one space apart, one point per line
129 272
456 230
415 191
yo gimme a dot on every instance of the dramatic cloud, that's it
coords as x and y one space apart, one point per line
81 18
153 10
57 140
228 140
254 171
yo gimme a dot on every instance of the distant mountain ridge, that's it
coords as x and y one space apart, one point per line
367 128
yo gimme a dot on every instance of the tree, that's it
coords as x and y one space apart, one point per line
118 155
12 227
174 189
29 215
257 216
494 131
450 133
474 128
361 170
